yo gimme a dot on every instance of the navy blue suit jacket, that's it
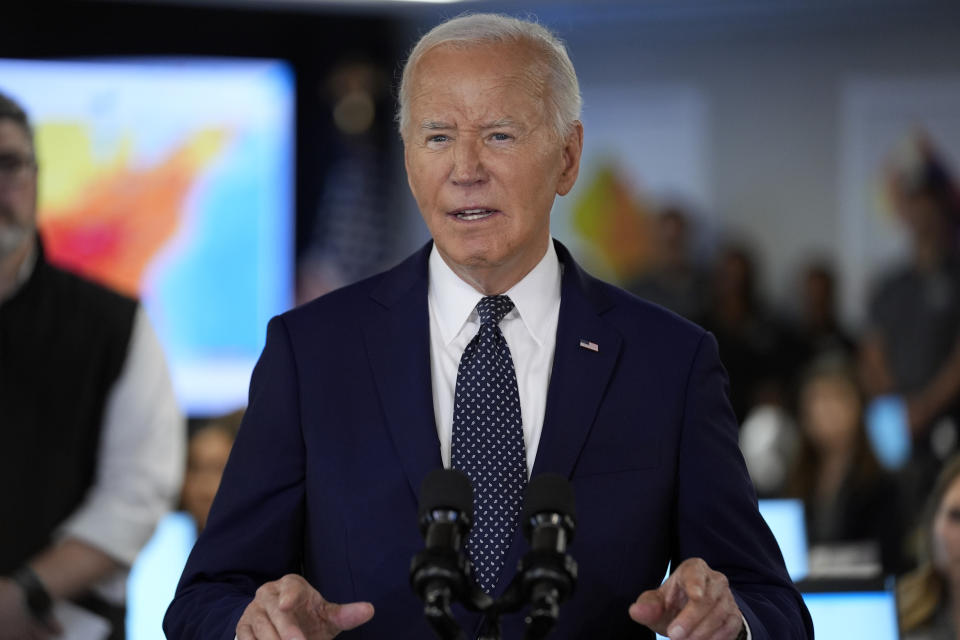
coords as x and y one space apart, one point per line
340 431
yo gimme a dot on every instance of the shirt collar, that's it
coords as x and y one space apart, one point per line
534 297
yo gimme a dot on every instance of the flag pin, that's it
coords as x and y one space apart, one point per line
587 344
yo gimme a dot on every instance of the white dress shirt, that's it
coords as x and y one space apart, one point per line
530 330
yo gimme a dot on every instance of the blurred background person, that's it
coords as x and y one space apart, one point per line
929 597
207 453
851 503
91 444
819 328
154 577
755 345
675 280
912 345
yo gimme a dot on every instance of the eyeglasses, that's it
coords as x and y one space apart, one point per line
14 165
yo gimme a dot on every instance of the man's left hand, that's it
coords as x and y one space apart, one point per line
694 603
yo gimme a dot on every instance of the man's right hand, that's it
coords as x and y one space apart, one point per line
291 609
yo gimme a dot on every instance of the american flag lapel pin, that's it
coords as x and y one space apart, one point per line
587 344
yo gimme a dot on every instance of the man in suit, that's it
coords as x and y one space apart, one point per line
359 394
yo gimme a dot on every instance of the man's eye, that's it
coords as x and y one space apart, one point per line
438 138
501 137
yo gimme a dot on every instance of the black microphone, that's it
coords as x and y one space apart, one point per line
439 574
549 575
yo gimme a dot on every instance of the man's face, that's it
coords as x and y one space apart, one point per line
484 162
18 188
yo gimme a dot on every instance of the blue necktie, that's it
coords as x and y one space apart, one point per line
488 440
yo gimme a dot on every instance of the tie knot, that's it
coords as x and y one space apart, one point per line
491 309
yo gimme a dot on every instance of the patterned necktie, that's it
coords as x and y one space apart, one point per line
488 440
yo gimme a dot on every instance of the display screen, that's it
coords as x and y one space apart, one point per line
866 615
172 180
786 521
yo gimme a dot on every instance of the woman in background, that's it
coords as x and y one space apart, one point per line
154 576
207 452
851 504
929 597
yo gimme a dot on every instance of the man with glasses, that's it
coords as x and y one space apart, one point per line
18 179
91 438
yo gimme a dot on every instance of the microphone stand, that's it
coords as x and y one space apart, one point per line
442 577
546 575
547 578
544 579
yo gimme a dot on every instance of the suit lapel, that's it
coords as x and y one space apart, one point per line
580 372
398 345
577 383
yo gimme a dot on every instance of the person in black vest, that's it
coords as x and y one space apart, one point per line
91 438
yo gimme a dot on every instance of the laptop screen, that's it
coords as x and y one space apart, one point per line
853 615
785 519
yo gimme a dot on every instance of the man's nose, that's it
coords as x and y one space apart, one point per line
468 168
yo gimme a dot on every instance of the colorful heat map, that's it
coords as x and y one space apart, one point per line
172 180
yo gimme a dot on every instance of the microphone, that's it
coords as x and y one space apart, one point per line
549 575
439 574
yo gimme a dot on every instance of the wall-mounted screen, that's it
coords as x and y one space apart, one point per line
172 180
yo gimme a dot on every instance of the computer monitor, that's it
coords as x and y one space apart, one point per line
786 520
852 611
154 575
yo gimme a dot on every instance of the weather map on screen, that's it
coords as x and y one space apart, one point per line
172 180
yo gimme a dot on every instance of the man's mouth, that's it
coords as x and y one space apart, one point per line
469 215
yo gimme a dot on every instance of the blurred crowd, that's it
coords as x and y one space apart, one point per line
856 424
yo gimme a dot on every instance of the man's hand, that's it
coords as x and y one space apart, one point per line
291 609
695 603
16 623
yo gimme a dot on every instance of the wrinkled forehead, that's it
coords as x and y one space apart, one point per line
448 66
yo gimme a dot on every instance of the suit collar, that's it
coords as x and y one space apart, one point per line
397 283
586 354
397 336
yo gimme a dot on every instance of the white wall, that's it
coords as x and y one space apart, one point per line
773 100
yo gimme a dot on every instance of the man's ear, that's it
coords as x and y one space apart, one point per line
406 164
572 148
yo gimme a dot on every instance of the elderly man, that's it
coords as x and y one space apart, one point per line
91 438
359 394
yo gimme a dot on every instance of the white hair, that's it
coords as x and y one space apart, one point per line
563 96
